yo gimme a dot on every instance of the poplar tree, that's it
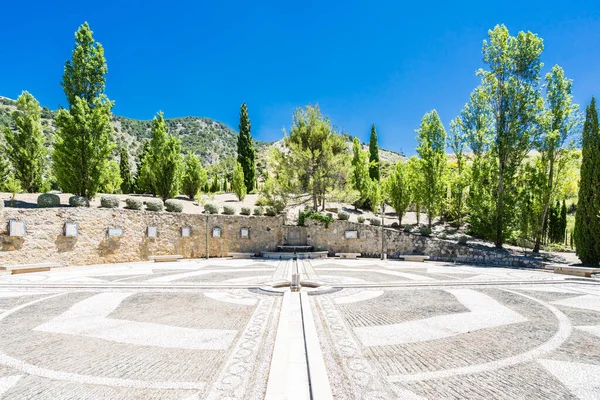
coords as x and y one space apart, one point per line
587 221
194 177
245 148
398 190
83 140
25 146
125 171
374 171
432 151
143 178
165 156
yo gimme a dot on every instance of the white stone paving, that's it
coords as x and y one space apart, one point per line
582 379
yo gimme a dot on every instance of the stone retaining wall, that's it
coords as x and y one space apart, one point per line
45 241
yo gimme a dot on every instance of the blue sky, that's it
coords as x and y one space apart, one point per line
386 63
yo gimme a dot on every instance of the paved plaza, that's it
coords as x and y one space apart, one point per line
358 329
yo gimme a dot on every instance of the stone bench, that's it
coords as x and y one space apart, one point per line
241 255
416 258
166 258
25 268
576 271
352 256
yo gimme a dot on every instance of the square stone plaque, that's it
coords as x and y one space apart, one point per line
216 232
152 232
351 235
186 231
71 229
16 228
245 233
114 232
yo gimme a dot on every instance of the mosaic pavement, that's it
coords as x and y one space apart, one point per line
214 329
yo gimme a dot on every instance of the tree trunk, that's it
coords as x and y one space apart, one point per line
500 207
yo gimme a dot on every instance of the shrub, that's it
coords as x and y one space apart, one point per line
462 240
258 211
211 208
154 205
133 204
407 228
332 209
343 216
375 221
48 200
361 219
271 212
245 211
395 225
261 202
175 206
109 202
424 230
79 201
228 210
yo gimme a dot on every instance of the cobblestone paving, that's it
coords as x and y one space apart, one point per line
391 330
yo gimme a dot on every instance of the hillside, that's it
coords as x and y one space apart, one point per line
211 140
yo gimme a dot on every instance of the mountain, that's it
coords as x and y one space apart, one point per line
211 140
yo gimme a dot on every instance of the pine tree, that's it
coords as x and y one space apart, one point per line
245 149
125 170
587 223
374 165
165 153
83 140
25 146
194 178
238 185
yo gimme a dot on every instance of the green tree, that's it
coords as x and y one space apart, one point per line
416 184
432 151
587 223
110 179
214 188
165 155
83 140
238 184
563 223
460 179
194 177
398 190
143 178
559 121
360 173
512 86
125 170
25 145
245 148
374 164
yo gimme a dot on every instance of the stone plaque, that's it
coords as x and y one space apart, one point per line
114 232
245 233
186 231
216 232
152 232
351 234
71 229
16 228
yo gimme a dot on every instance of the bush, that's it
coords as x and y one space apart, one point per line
48 200
133 204
228 210
424 230
343 216
375 221
361 219
78 201
261 202
154 205
258 211
174 206
245 211
211 208
332 209
109 202
271 212
462 240
407 228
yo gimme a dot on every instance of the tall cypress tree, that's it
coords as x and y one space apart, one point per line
374 172
245 149
563 222
125 169
587 223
